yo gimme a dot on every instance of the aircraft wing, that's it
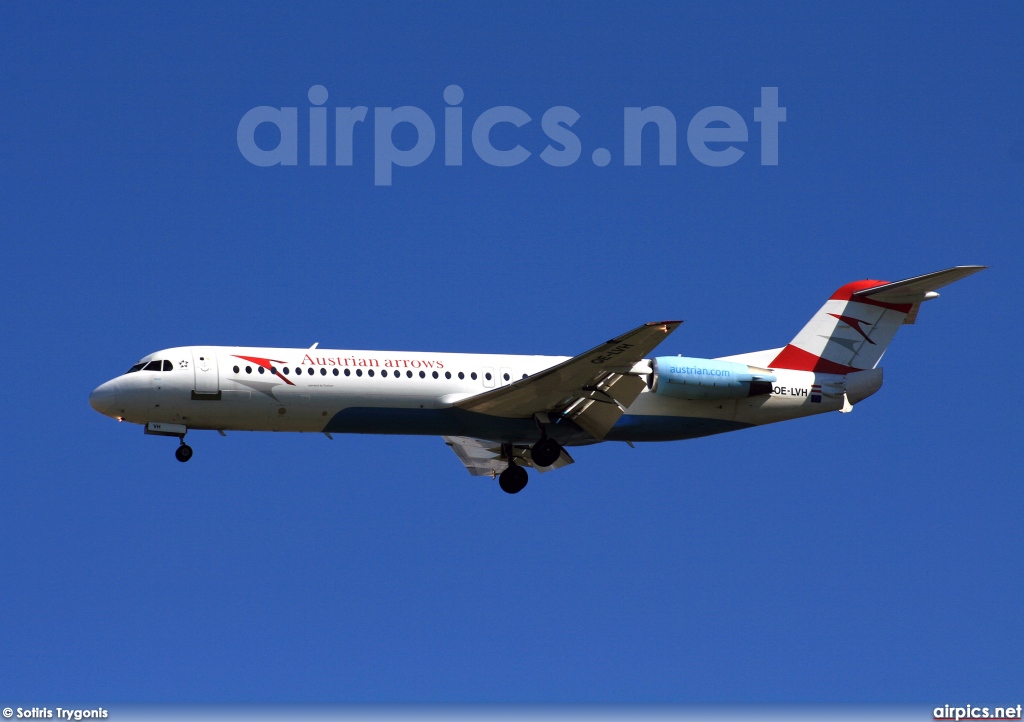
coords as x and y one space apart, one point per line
592 389
484 458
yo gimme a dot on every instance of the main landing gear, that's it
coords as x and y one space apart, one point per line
545 452
184 452
513 480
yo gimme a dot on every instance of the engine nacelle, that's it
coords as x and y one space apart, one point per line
706 379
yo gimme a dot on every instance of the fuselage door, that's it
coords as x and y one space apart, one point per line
204 363
504 375
488 374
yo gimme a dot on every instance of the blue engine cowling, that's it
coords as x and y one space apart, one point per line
706 379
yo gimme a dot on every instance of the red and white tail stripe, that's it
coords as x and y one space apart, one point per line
854 327
847 334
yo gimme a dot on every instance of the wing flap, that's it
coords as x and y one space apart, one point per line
475 455
485 458
596 417
597 412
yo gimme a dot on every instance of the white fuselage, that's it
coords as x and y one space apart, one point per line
322 390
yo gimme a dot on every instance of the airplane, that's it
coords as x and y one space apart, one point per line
503 413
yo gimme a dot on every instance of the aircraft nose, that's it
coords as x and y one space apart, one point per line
104 397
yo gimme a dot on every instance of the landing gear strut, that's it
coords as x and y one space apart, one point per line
158 428
545 452
513 479
183 453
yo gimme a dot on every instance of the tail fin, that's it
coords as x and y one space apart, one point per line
854 327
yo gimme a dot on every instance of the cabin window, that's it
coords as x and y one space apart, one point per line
286 371
434 374
323 371
447 374
348 372
248 369
461 375
488 375
359 372
423 374
335 372
505 376
409 374
473 375
370 372
260 369
235 369
384 373
310 370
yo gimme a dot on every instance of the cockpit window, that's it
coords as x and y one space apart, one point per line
151 366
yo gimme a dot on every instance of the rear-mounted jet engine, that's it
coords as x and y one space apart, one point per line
705 379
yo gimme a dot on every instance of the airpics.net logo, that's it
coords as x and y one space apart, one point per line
713 134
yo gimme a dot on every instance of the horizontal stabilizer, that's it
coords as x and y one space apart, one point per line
917 289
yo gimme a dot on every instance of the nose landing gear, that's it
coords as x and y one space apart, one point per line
183 453
157 428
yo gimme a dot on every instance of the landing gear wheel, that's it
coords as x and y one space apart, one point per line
183 453
545 452
513 479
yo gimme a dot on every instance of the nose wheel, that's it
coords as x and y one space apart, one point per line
183 453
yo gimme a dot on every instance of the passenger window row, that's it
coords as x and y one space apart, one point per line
369 372
164 365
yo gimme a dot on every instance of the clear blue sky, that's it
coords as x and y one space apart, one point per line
876 556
